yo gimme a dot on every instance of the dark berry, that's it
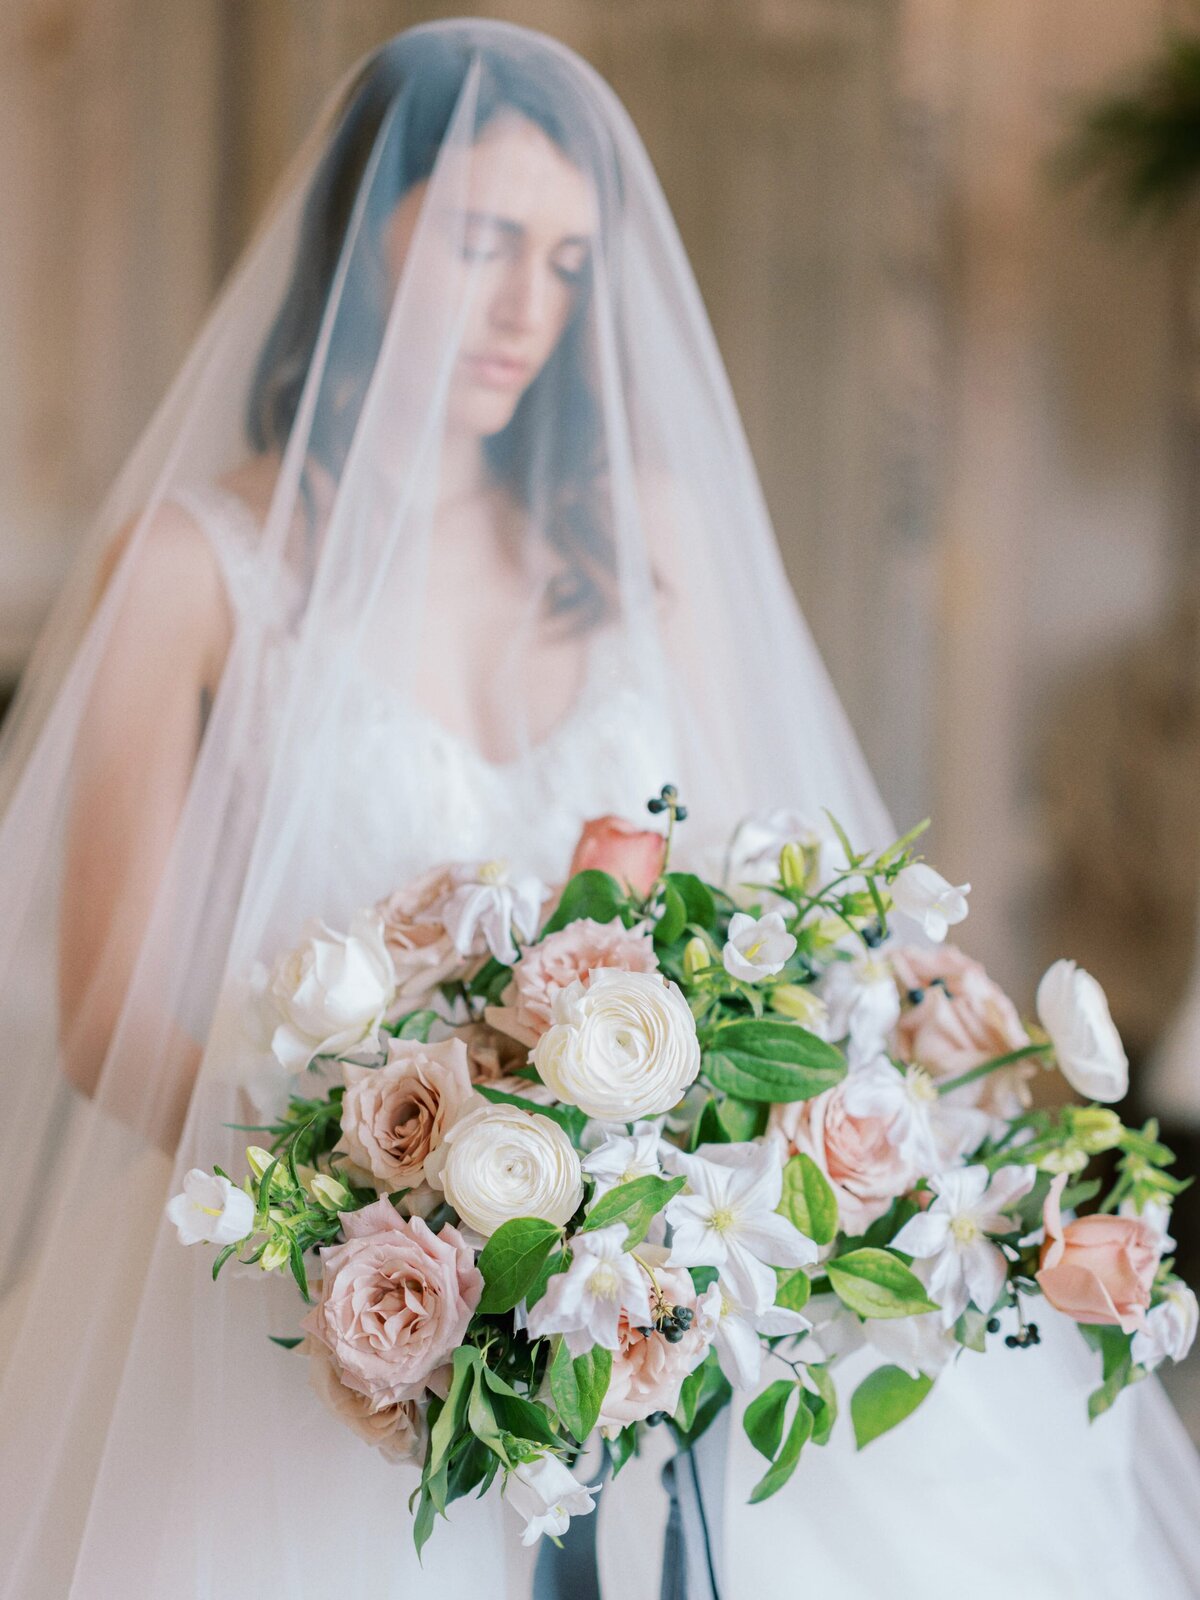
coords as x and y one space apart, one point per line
993 1325
672 1332
684 1317
1011 1341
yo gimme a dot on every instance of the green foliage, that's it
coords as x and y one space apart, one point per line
764 1421
884 1399
512 1261
414 1025
569 1118
579 1386
769 1061
590 894
876 1283
793 1289
808 1201
704 1395
635 1203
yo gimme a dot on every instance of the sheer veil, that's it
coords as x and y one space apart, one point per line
154 1441
163 1447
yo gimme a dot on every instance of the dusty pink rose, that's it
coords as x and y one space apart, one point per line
962 1019
397 1431
574 952
634 856
647 1372
864 1167
1097 1269
395 1116
422 952
394 1304
492 1055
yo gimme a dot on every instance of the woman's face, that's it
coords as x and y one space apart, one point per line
518 245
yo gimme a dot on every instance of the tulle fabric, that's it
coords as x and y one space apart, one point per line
154 1441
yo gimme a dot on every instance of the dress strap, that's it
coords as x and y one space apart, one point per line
233 536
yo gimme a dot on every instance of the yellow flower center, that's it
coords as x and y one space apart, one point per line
493 872
721 1221
921 1086
604 1281
965 1230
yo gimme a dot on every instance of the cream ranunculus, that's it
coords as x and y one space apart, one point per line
499 1162
1072 1008
622 1047
331 992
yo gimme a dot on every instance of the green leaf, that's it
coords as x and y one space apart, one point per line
808 1201
885 1228
296 1262
555 1263
709 1128
1105 1397
481 1419
742 1120
1114 1346
971 1329
883 1399
490 982
224 1257
570 1119
523 1418
623 1447
793 1289
697 898
876 1283
285 1344
415 1025
512 1259
453 1413
765 1415
784 1465
674 917
588 894
770 1061
423 1521
635 1203
895 851
823 1404
579 1386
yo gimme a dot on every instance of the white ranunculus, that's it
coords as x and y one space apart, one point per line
546 1495
210 1210
924 895
1169 1330
331 992
499 1162
622 1047
1072 1008
757 947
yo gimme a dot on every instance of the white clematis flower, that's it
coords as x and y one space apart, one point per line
585 1302
727 1219
623 1157
929 899
488 907
210 1210
927 1130
621 1046
739 1332
547 1496
757 947
1072 1008
953 1236
1169 1329
330 994
863 1004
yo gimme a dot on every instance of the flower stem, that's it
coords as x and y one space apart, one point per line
986 1067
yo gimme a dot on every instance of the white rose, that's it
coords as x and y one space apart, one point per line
210 1210
620 1048
1169 1330
924 895
331 992
499 1162
1073 1010
757 947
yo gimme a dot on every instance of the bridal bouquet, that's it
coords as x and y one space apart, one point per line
560 1161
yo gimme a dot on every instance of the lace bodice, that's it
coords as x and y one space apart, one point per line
413 793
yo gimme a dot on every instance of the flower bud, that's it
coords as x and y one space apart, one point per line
803 1005
1069 1159
1095 1129
259 1159
330 1192
275 1255
696 957
794 866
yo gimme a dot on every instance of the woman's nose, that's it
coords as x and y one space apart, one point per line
521 300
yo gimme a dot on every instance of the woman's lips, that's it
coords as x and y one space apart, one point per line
497 372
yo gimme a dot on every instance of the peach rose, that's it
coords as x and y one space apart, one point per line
395 1116
397 1431
395 1302
634 856
493 1058
1097 1269
422 951
647 1371
864 1167
962 1019
574 952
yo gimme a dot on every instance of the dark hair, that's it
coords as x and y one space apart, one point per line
420 77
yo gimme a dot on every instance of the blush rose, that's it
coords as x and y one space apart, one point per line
865 1168
546 969
1097 1269
632 855
647 1371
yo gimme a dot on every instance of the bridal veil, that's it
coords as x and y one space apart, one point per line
153 1440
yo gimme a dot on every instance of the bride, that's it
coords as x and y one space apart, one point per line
445 540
